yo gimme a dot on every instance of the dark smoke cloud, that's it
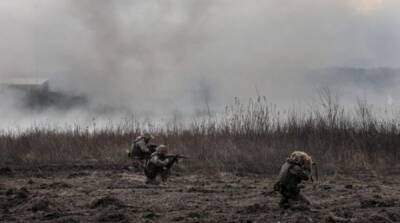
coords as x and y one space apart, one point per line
162 56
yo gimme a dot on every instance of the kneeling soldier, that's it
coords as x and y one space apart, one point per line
158 164
141 149
296 169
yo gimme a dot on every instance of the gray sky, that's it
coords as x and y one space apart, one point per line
178 55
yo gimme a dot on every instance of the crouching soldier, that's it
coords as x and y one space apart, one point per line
159 164
296 169
141 149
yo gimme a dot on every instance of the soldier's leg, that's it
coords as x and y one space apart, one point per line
291 195
151 175
296 195
151 180
135 164
302 198
165 174
143 164
157 172
139 164
297 199
284 202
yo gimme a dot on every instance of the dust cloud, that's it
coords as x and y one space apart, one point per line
165 58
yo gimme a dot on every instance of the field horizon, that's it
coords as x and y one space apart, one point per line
254 137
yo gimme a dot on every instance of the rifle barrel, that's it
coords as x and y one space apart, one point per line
177 156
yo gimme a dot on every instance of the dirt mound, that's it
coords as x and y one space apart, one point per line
394 216
40 205
8 218
336 219
56 185
342 218
112 217
107 202
105 196
326 186
151 215
15 197
78 174
303 219
43 209
52 215
6 171
376 218
20 193
255 208
121 184
67 220
375 203
200 190
197 215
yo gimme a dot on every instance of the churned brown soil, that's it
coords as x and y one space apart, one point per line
117 194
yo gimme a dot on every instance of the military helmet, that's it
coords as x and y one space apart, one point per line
147 135
162 149
301 158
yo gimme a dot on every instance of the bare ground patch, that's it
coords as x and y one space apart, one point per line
119 195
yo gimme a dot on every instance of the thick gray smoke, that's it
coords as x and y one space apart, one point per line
154 57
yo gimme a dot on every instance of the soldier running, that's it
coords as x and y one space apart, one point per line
296 169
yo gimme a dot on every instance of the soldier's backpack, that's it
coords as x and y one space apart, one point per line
135 151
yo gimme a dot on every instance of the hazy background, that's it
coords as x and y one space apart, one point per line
164 58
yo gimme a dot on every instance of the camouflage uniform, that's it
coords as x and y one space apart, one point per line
141 150
296 169
158 164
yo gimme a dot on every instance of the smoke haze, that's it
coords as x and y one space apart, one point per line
181 56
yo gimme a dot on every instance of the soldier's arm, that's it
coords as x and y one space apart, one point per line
158 162
143 146
300 172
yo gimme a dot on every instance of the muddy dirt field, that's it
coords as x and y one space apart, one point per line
110 194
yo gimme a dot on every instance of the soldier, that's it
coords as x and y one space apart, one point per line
159 164
296 169
141 149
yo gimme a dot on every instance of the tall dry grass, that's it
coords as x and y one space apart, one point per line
254 137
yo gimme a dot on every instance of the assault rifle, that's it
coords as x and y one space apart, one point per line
174 158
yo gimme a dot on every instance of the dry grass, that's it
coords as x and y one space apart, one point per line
249 138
